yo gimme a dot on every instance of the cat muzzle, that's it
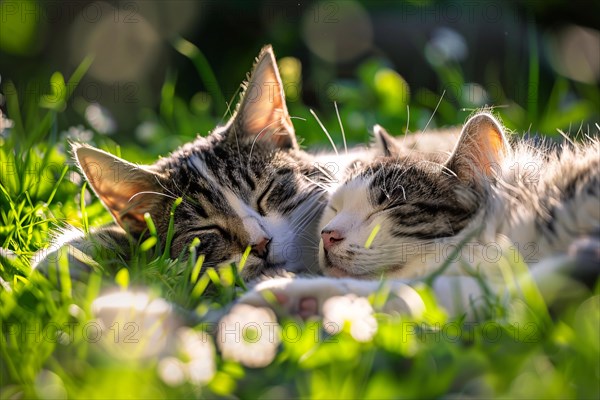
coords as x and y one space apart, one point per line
331 238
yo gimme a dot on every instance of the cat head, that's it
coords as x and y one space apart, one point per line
391 212
246 185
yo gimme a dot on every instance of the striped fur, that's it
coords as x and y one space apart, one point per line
540 199
236 193
247 184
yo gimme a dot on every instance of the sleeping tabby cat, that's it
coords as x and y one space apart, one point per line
246 184
403 216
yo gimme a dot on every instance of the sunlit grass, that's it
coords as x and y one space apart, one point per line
372 235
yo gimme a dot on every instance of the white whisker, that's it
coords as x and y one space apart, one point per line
300 118
434 110
565 136
151 192
341 127
258 137
326 132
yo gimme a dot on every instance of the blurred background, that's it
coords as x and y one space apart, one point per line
164 71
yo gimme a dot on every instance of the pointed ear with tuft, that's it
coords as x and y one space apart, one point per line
262 113
480 150
126 190
384 142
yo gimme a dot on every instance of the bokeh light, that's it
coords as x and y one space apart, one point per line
123 50
575 53
337 31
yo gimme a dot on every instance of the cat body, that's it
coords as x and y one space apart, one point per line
546 198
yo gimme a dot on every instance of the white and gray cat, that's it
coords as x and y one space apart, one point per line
402 216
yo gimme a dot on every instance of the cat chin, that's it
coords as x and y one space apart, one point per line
335 271
256 269
253 271
412 268
329 267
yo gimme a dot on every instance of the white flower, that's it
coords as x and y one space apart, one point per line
197 363
198 349
352 310
171 371
445 45
147 132
249 335
49 385
131 324
100 118
77 134
5 124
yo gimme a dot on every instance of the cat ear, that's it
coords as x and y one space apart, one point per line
480 149
384 142
262 114
126 190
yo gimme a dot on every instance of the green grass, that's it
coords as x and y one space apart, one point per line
522 347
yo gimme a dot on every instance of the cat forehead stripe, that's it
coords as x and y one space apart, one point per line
196 163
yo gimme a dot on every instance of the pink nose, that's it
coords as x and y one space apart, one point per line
261 248
331 238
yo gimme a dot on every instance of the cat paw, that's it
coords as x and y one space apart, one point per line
288 296
307 297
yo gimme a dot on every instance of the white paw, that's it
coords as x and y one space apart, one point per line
306 297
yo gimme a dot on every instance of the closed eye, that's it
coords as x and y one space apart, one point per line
213 227
392 206
260 207
381 210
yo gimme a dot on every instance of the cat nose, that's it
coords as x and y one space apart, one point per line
261 248
330 238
